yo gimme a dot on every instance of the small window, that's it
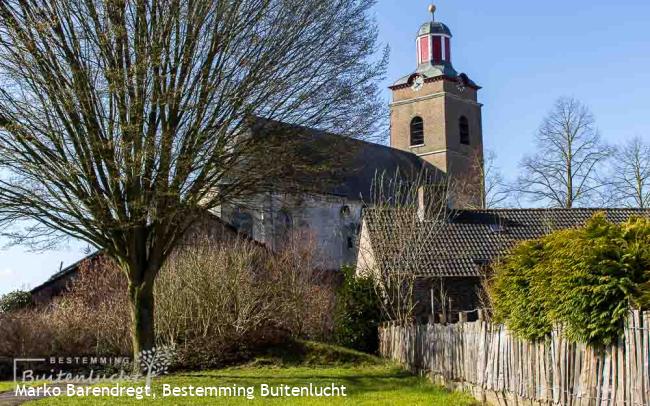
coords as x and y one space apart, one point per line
417 131
463 125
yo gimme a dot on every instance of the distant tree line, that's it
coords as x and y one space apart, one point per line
572 166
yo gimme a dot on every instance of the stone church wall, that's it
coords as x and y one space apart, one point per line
328 223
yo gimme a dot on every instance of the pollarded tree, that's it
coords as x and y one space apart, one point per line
122 120
630 176
564 172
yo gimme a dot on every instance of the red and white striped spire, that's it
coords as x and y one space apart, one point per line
433 42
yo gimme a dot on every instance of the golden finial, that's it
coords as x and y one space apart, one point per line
432 10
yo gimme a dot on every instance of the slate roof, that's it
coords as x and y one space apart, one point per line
471 239
68 271
350 165
434 27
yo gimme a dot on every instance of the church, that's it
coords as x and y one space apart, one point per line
435 128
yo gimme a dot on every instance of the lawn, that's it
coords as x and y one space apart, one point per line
368 381
366 385
6 386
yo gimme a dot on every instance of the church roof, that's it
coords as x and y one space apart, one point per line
472 239
434 27
348 166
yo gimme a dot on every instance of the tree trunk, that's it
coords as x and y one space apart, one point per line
142 315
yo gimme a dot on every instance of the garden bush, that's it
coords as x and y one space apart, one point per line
357 314
15 300
582 280
222 303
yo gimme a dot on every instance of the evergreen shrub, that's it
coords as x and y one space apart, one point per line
582 280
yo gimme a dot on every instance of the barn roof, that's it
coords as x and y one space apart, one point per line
469 240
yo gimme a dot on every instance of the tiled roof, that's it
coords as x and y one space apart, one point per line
471 239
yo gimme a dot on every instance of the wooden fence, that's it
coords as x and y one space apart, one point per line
498 367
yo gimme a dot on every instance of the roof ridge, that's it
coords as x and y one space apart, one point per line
329 133
555 209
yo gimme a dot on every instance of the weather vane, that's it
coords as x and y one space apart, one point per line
432 10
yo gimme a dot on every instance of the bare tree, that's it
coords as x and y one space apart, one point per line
630 177
564 172
482 186
122 120
403 218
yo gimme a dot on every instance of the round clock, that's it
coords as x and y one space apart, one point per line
418 83
461 83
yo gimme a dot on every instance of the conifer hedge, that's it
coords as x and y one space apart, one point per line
583 279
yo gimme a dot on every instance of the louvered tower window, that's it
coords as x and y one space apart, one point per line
463 126
417 131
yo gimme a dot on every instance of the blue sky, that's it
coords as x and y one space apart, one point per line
525 55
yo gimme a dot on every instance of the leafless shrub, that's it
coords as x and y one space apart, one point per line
91 318
214 299
307 294
230 291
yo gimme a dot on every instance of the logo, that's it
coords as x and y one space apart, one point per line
155 362
77 375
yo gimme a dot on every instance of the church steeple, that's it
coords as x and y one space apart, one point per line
433 42
435 112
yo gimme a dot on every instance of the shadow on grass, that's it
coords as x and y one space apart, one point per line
309 353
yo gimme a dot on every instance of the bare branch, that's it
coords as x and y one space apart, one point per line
122 121
564 172
630 174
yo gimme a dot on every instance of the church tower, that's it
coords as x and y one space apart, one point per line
436 115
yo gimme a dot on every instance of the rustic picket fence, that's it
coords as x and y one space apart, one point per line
495 365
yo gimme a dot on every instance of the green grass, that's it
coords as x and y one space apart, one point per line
6 386
369 381
366 385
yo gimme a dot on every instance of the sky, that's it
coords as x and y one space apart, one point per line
525 55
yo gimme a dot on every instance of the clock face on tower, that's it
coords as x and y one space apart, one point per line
461 83
418 83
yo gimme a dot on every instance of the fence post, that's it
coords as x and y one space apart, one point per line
462 317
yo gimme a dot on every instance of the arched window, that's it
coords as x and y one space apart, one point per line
463 126
417 131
